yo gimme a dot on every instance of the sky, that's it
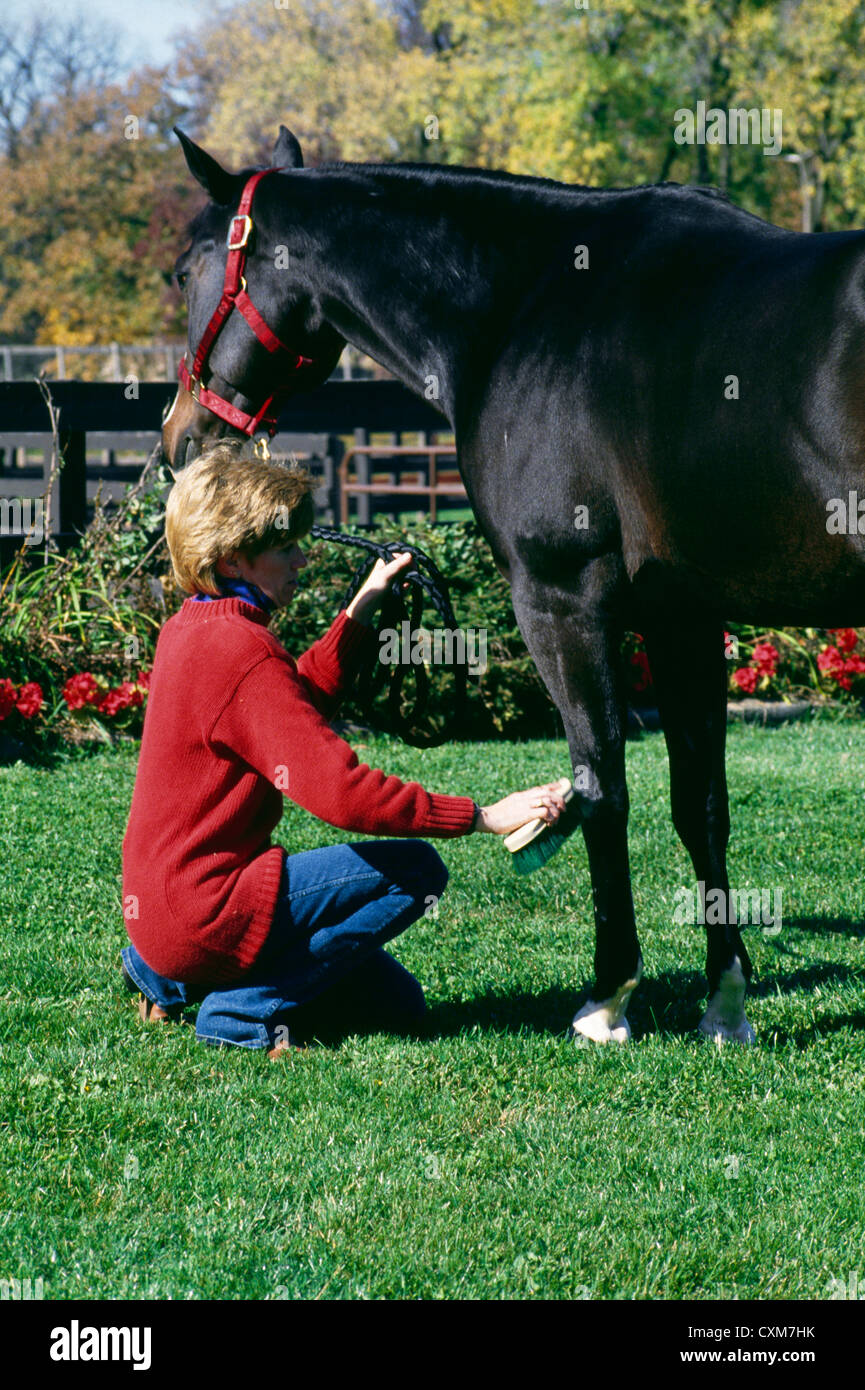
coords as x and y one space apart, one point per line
147 28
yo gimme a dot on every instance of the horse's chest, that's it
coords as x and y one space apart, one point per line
532 497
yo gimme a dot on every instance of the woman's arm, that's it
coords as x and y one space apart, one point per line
272 725
329 665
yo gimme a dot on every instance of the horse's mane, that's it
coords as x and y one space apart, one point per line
462 173
462 176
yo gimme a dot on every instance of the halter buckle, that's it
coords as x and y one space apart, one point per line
239 230
261 448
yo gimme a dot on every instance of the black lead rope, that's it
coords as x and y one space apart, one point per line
426 582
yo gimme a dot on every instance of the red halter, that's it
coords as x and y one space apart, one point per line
234 296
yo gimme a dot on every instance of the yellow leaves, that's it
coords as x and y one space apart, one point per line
334 75
89 220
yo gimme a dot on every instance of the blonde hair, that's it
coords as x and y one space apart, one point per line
225 501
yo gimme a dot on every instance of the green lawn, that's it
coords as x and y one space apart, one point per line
491 1157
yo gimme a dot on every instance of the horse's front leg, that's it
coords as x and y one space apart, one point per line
690 678
576 650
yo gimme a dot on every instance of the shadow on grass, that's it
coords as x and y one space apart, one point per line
670 1004
53 752
823 1028
827 926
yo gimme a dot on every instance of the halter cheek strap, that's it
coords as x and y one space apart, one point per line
234 296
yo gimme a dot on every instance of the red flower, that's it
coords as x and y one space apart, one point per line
143 680
30 700
830 661
766 658
81 690
641 677
109 704
845 638
122 697
855 665
7 697
832 664
746 678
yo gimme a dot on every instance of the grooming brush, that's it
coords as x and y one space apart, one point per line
537 841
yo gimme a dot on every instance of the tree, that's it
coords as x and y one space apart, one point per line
333 70
49 61
92 217
812 66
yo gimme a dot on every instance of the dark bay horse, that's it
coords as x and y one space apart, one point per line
691 376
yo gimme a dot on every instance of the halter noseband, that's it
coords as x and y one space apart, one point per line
234 296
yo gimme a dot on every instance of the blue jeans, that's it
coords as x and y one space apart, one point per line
322 966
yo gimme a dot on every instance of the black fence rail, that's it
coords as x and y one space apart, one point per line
106 438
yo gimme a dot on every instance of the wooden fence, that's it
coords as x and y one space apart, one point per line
351 434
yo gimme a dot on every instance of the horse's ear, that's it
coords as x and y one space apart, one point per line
287 153
216 181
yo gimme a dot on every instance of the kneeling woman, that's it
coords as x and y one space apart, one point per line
275 946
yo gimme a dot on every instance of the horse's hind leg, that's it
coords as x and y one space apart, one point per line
689 673
576 651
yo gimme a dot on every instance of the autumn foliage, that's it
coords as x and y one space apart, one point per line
96 194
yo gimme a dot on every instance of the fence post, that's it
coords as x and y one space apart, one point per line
424 468
335 451
362 467
68 501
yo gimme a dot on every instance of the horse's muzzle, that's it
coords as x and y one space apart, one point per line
188 427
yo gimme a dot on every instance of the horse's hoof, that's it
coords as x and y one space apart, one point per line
721 1033
606 1022
594 1023
724 1019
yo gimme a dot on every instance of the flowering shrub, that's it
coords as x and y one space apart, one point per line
74 623
85 691
638 674
79 627
802 664
26 699
762 668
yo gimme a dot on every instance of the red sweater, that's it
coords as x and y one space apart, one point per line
233 724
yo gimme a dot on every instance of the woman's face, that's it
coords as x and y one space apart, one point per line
275 571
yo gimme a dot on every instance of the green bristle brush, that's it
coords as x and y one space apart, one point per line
537 841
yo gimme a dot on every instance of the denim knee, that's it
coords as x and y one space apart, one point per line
429 870
224 1021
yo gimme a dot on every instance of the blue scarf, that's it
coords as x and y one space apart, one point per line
238 588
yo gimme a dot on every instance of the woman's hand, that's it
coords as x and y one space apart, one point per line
368 598
536 803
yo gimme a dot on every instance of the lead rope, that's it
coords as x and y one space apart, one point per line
425 579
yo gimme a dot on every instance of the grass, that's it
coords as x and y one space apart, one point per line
489 1158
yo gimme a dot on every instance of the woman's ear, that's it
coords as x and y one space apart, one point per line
226 565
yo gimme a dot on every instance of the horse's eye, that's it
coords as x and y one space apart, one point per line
181 278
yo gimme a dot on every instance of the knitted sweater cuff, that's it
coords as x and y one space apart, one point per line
450 816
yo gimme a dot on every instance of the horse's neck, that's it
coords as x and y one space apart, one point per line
411 275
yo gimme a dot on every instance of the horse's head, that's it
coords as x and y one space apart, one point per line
256 332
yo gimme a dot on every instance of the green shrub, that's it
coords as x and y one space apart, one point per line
81 628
